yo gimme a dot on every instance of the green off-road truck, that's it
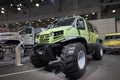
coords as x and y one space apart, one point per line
67 41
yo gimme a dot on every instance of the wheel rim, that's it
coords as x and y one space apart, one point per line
81 59
101 51
21 52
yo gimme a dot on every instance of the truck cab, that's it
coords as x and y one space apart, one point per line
28 35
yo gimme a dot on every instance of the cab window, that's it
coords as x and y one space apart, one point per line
95 29
90 28
26 31
80 24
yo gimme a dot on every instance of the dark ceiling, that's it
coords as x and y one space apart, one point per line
108 5
7 3
105 4
12 5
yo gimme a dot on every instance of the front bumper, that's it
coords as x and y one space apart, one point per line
112 49
47 50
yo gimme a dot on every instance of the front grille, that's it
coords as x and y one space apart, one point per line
58 37
44 38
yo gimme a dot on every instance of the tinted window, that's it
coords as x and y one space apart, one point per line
112 37
90 28
95 29
26 31
62 22
80 24
65 22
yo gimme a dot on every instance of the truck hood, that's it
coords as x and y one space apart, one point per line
9 36
112 43
55 29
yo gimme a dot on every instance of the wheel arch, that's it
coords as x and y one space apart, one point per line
14 42
77 39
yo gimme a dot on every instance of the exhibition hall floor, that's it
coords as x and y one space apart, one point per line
107 69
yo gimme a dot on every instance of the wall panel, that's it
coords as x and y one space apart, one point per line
105 26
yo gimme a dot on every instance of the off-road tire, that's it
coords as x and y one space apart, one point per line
69 58
38 60
98 54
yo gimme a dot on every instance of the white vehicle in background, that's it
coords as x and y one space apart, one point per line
3 30
25 34
28 35
10 40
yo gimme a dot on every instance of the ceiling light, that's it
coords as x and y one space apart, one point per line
27 22
42 0
2 12
17 5
39 20
31 0
19 8
20 4
113 11
11 4
3 8
37 5
52 18
93 13
86 15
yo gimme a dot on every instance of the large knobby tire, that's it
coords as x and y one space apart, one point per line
38 60
73 58
98 54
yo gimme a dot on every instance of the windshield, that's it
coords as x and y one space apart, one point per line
63 22
21 28
112 37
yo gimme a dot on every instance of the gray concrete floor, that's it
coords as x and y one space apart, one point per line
107 69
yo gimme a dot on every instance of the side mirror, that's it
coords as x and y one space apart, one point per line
22 33
78 26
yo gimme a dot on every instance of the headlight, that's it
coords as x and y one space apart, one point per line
51 34
37 36
58 33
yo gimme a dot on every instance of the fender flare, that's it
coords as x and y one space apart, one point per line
73 40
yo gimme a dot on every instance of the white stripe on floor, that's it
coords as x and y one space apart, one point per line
19 72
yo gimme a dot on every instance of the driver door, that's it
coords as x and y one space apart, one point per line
92 34
27 36
81 27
